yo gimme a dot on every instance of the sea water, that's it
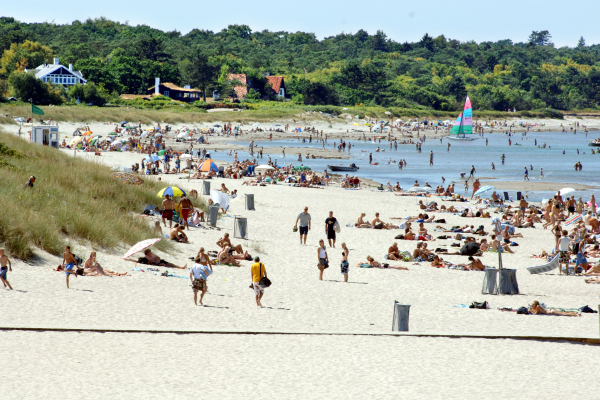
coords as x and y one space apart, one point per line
523 152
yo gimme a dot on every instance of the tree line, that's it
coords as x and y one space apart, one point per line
346 69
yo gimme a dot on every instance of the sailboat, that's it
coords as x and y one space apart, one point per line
463 127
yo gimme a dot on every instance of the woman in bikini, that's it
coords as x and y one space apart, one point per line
92 268
377 264
537 309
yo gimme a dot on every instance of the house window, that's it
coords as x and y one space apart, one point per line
166 93
281 92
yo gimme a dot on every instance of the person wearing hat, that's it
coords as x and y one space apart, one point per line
29 183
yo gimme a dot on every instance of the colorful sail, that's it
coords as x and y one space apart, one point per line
464 123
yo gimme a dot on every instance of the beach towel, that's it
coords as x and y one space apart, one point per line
220 198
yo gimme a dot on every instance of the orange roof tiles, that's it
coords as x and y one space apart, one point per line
276 82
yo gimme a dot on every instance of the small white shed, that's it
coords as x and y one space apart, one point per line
45 135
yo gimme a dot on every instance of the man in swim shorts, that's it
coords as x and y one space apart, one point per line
168 205
304 219
70 264
186 208
5 266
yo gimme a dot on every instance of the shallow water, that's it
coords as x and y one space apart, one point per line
558 167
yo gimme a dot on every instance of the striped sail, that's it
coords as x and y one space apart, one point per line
464 122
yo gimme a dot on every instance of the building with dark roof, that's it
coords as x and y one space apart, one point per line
59 74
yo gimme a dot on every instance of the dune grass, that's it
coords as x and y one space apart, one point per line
61 208
268 111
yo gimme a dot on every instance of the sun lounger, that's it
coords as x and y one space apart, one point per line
538 269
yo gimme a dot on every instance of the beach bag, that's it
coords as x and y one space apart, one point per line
523 310
264 281
336 227
481 306
440 221
399 237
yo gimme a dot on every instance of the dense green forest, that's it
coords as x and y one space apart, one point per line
346 69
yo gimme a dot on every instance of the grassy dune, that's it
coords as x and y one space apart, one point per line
61 208
257 112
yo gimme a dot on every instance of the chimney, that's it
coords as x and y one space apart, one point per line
187 87
156 85
70 67
268 74
56 61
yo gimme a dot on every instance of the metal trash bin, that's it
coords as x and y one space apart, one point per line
213 215
489 281
240 228
206 188
507 283
401 313
249 202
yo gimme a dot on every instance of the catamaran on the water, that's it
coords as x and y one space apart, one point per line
463 127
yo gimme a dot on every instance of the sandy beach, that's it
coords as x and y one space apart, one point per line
295 366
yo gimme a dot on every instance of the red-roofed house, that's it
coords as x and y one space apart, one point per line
277 85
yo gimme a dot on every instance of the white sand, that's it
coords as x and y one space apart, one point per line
104 365
290 367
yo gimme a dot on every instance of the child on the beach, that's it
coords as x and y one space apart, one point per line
4 261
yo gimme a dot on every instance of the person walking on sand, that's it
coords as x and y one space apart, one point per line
168 205
257 272
304 219
323 258
344 265
69 262
5 266
198 275
329 229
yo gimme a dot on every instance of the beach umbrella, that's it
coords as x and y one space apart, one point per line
182 134
171 191
264 167
76 141
207 166
277 124
216 125
123 123
118 145
162 152
564 191
483 190
573 219
143 245
355 124
416 189
185 156
131 179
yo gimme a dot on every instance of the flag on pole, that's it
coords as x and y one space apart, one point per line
36 110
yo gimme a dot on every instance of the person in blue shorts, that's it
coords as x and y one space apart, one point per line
304 219
5 265
70 263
